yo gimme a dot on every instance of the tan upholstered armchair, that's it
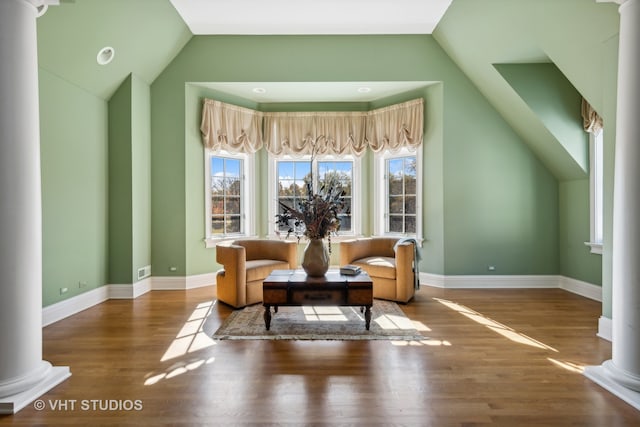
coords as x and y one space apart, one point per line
246 264
389 266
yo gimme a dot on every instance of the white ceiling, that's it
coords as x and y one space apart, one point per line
311 16
269 92
291 17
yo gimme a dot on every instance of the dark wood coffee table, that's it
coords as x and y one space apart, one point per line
295 288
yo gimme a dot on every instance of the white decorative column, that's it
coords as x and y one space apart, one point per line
23 374
621 374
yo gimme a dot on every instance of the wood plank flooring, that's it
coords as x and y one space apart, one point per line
489 358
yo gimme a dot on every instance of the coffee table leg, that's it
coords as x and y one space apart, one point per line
267 316
367 317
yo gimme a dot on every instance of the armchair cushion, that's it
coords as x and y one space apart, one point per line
259 269
378 266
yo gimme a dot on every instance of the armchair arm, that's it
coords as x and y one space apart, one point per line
351 250
232 281
405 285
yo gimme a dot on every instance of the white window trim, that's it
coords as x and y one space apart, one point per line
356 194
248 197
379 193
596 177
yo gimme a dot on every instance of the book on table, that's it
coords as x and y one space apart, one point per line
350 270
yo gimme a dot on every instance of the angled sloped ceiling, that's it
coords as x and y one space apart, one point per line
556 104
146 36
572 34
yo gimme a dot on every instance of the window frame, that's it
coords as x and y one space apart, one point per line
380 197
356 190
247 202
596 191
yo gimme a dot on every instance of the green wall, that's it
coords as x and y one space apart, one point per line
492 201
73 140
120 179
141 174
555 102
129 181
576 259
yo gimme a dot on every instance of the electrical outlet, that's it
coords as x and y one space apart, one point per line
491 267
82 284
64 291
173 268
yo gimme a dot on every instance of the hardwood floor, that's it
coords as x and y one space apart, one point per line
490 357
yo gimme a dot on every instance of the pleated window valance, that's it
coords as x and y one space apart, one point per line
591 121
229 127
240 129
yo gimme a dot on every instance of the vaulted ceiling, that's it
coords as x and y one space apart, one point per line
481 36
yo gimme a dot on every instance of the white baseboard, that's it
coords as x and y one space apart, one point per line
605 328
71 306
58 311
579 287
490 281
169 283
200 280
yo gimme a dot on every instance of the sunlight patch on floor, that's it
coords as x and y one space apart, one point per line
390 321
324 314
178 369
191 336
496 327
569 366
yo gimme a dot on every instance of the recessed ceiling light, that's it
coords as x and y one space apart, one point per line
259 90
105 55
364 89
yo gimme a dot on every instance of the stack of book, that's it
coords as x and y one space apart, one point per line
350 270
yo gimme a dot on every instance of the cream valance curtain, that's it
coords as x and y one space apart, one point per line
237 129
591 121
229 127
396 126
323 132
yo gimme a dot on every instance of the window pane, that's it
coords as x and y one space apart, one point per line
217 224
410 224
396 204
232 167
233 224
303 170
293 175
233 186
396 166
233 206
217 166
401 194
217 205
217 185
410 205
395 224
226 195
395 184
345 222
410 184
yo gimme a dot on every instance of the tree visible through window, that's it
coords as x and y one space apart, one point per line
292 176
401 195
226 201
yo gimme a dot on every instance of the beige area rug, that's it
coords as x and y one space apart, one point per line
388 322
